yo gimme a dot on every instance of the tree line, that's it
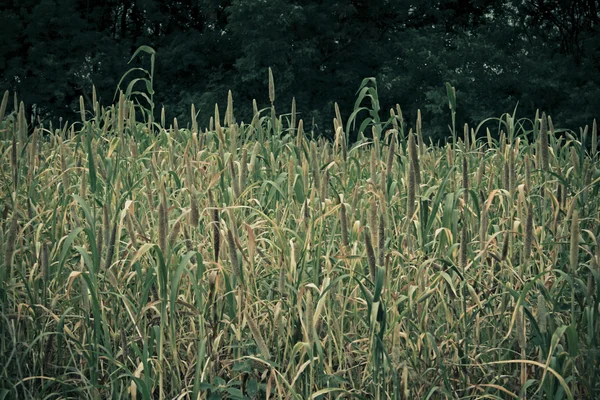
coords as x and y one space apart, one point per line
497 53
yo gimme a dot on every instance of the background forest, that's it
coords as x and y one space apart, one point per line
497 53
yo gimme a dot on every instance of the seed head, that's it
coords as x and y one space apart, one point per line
370 255
314 165
260 342
163 222
410 208
11 239
216 228
480 172
463 246
82 109
405 388
271 87
505 245
175 230
391 154
344 223
234 179
542 314
594 138
381 243
293 116
506 176
512 173
544 143
528 233
229 112
465 178
131 230
3 105
373 168
574 250
421 143
413 156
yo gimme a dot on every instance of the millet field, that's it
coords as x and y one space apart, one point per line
252 260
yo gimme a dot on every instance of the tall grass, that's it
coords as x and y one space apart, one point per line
147 260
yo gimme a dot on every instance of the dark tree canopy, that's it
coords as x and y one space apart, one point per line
538 53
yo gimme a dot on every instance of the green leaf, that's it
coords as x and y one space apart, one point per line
175 282
572 341
235 393
66 248
379 283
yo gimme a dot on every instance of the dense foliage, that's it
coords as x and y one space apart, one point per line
537 53
250 261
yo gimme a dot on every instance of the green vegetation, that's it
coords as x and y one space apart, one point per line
540 53
146 260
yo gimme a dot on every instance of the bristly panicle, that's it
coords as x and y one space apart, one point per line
344 223
216 227
528 233
370 255
544 143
